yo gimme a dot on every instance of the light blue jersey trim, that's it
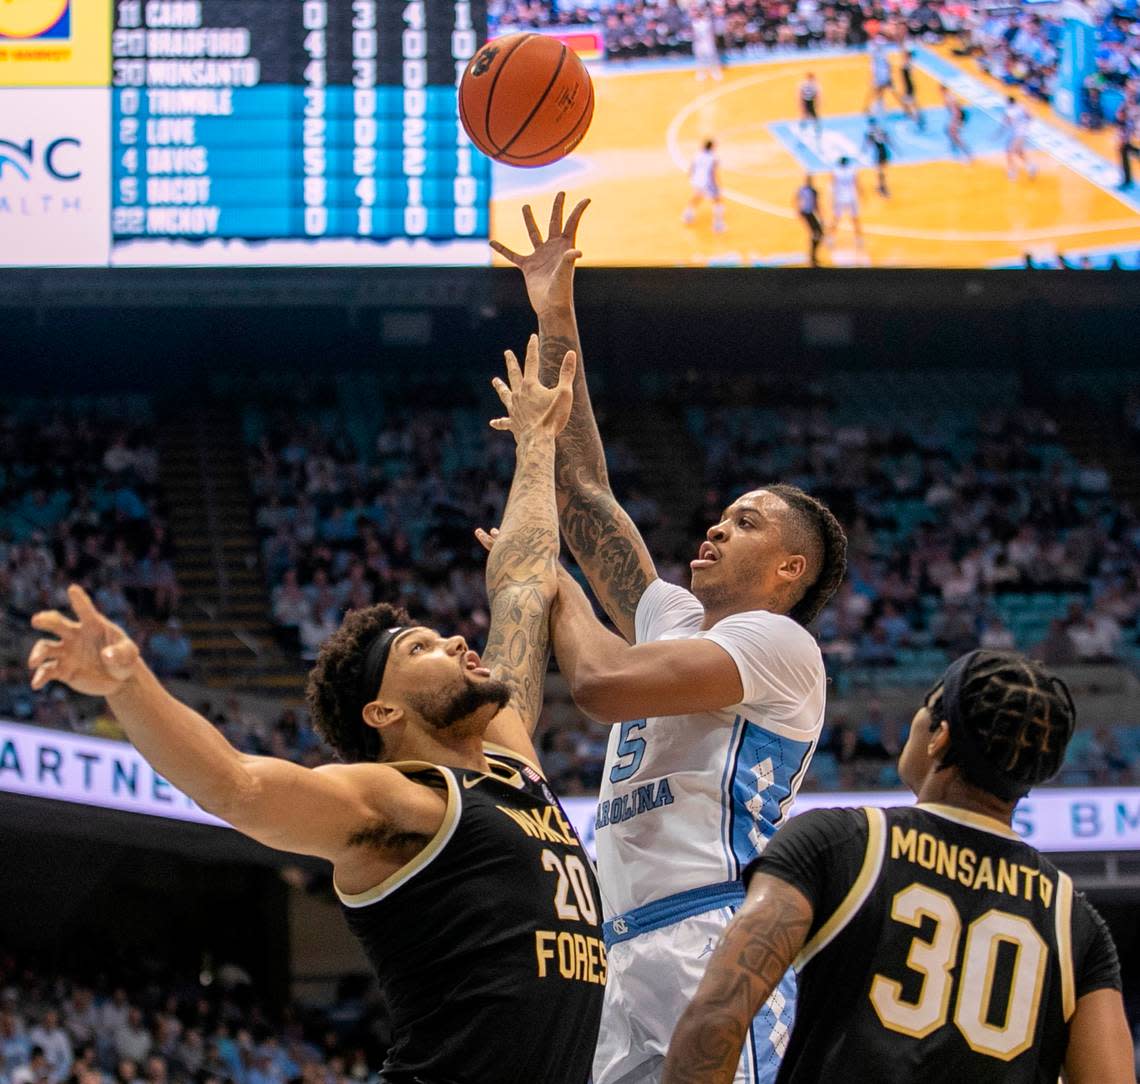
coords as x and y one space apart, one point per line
767 769
671 909
731 866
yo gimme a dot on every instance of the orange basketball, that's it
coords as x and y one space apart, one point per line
526 100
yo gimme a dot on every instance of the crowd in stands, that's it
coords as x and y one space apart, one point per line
635 29
964 530
967 527
80 503
59 1031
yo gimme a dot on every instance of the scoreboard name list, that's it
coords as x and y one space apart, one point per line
310 119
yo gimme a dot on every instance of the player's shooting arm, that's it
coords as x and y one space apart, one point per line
756 950
612 681
522 566
280 804
602 537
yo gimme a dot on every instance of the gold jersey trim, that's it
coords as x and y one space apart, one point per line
436 844
970 819
857 894
1063 919
501 750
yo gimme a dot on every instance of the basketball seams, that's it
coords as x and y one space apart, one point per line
491 92
574 140
537 105
520 92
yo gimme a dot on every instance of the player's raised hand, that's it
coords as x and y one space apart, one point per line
531 406
549 269
92 655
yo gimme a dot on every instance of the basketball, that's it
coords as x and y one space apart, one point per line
526 100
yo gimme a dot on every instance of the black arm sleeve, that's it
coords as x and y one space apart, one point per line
820 853
1095 965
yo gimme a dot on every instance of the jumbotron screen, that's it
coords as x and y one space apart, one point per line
859 133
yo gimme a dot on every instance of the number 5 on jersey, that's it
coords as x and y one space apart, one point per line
629 745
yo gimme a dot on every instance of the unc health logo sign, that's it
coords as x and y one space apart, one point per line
55 43
55 177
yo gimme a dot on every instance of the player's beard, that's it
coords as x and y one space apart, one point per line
444 712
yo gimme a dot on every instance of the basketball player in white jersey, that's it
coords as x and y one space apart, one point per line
705 52
881 80
705 182
716 696
845 195
809 105
1015 121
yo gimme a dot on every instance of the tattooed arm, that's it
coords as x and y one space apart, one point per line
522 568
602 537
758 946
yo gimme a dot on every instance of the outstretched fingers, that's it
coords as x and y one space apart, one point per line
82 605
556 215
514 373
531 226
531 370
54 622
567 370
507 253
570 230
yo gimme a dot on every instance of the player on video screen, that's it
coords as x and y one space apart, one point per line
809 105
1015 121
845 195
704 178
807 206
879 144
955 119
705 51
908 95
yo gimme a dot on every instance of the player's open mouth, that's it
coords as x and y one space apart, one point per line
706 555
471 665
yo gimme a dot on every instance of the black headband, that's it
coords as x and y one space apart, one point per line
977 766
375 660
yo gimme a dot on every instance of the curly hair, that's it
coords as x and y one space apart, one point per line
332 690
817 532
1020 715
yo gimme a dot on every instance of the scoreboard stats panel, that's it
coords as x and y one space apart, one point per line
266 132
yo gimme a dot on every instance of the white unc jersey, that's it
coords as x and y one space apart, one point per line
687 801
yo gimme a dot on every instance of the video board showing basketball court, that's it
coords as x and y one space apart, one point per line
324 132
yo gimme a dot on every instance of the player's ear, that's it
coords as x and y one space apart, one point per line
938 745
793 567
381 715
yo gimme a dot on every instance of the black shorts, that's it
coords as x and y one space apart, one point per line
808 105
813 223
882 154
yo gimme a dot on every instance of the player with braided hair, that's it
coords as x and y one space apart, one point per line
716 696
931 943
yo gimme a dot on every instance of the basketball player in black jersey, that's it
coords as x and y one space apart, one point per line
908 96
457 868
930 942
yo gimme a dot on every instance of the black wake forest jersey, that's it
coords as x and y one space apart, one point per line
487 945
942 949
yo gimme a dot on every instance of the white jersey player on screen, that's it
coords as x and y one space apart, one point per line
1015 121
704 179
716 697
705 52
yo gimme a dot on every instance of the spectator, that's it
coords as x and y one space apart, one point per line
168 651
36 1071
55 1044
132 1040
